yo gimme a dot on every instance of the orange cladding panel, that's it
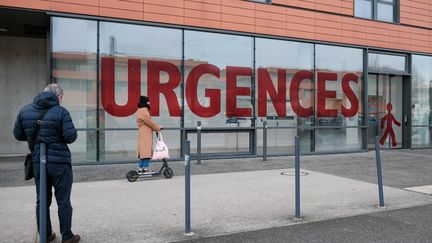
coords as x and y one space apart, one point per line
329 20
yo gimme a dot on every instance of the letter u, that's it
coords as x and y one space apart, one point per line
108 87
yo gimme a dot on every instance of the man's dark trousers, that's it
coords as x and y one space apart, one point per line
59 176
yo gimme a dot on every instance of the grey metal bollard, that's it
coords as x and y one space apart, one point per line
198 142
265 141
187 189
297 177
42 194
379 172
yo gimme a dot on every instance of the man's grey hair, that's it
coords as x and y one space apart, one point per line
54 88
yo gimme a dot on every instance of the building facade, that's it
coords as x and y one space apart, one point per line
335 73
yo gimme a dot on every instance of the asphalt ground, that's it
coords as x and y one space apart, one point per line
398 226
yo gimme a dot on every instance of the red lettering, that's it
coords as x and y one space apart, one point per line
154 87
265 85
323 94
108 87
212 94
232 91
295 93
266 88
350 95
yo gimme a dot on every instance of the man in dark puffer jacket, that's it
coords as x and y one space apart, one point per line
57 130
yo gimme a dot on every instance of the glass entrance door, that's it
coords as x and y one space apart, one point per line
385 96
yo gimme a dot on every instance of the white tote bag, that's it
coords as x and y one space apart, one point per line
160 150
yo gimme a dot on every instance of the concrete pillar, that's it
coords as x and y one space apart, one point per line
23 73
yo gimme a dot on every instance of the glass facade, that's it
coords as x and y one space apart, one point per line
232 84
387 63
277 63
74 67
130 67
339 73
421 104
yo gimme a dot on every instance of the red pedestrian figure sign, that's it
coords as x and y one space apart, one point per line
389 119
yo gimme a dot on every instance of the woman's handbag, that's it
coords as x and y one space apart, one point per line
161 150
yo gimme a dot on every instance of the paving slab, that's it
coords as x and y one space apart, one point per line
427 189
153 210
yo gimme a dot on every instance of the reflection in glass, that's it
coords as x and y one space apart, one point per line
120 145
387 63
84 147
74 68
421 90
279 61
211 56
338 139
363 9
385 12
332 65
421 104
222 143
374 101
421 137
125 42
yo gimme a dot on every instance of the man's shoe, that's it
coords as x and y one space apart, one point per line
51 237
74 239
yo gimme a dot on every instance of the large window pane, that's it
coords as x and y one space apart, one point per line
277 63
386 63
339 83
131 50
218 76
421 90
74 67
363 9
385 12
74 46
421 104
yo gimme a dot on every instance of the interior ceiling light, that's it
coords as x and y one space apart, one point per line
3 30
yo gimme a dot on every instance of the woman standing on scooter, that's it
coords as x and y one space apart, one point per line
145 133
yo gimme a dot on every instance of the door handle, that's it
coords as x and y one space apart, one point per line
406 120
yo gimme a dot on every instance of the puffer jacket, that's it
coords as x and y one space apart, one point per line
56 132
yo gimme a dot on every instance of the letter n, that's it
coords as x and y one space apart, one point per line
278 98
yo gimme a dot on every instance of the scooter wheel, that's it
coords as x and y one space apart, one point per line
132 176
168 173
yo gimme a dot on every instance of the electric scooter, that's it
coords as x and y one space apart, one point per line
165 170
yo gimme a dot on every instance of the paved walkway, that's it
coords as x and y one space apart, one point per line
223 203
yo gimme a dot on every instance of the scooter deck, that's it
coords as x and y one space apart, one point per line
148 174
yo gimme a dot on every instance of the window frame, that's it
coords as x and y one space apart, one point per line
374 10
262 1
